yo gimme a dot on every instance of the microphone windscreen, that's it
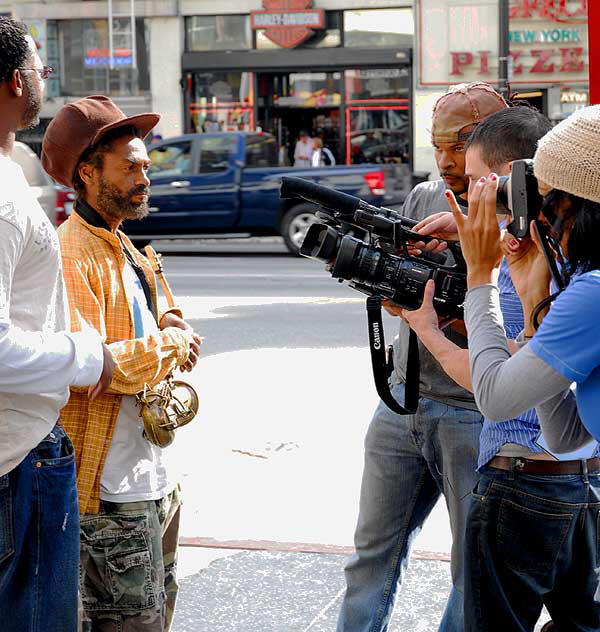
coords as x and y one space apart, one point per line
323 196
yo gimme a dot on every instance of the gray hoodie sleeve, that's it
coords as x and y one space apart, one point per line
507 385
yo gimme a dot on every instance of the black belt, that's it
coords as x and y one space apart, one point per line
534 466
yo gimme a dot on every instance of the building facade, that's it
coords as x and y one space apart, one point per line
361 74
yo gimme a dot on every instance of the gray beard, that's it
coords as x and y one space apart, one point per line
117 206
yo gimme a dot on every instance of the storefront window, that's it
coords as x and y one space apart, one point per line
222 101
218 32
379 27
329 37
308 89
377 115
84 51
379 134
377 84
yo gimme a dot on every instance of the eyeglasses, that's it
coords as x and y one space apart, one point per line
45 72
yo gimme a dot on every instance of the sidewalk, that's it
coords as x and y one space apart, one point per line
265 467
273 591
289 474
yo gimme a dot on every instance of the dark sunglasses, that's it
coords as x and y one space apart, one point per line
45 72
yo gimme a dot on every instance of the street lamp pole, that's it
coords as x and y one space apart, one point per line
503 50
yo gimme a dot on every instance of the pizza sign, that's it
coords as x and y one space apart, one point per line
287 23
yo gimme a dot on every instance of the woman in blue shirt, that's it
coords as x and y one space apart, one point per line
564 350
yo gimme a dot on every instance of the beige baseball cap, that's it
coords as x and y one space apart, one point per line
459 110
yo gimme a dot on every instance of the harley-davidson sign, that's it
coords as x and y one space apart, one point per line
287 23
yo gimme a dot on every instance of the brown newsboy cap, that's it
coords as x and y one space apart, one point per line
461 108
80 125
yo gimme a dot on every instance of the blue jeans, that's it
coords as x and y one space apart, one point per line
39 540
409 461
533 541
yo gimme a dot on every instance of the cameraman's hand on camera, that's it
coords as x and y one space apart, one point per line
478 231
425 319
439 225
428 326
416 315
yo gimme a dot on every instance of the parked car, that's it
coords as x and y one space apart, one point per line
41 183
228 183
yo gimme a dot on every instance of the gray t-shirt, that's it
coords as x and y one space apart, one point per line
426 199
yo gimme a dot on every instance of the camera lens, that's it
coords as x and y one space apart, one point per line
345 264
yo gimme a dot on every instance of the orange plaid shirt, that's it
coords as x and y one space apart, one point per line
93 262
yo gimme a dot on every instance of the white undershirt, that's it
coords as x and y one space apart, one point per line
134 469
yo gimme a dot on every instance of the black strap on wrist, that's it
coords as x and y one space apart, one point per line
380 363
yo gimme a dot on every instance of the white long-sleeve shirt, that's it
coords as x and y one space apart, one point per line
38 359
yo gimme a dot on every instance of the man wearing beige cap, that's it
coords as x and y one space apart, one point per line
128 499
411 460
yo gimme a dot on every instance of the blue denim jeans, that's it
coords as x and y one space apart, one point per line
39 540
533 541
409 461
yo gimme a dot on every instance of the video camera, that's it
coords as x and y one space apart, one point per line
369 246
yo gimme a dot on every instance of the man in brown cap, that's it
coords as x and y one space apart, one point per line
39 360
411 460
128 499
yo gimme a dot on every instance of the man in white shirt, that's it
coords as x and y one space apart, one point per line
39 521
303 150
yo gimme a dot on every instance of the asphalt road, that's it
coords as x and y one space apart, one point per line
279 300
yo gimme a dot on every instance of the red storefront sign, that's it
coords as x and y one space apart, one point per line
287 23
563 11
539 61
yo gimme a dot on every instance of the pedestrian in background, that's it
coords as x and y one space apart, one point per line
129 501
321 156
303 150
39 518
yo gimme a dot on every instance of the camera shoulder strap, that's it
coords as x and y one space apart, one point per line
379 362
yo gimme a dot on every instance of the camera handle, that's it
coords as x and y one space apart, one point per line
379 362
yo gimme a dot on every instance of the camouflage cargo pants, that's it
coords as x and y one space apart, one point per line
128 565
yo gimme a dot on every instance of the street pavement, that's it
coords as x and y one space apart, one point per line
271 466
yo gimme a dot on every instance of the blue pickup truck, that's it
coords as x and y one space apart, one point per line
227 184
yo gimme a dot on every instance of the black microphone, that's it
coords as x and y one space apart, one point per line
317 194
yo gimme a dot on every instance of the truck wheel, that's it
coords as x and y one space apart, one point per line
294 225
